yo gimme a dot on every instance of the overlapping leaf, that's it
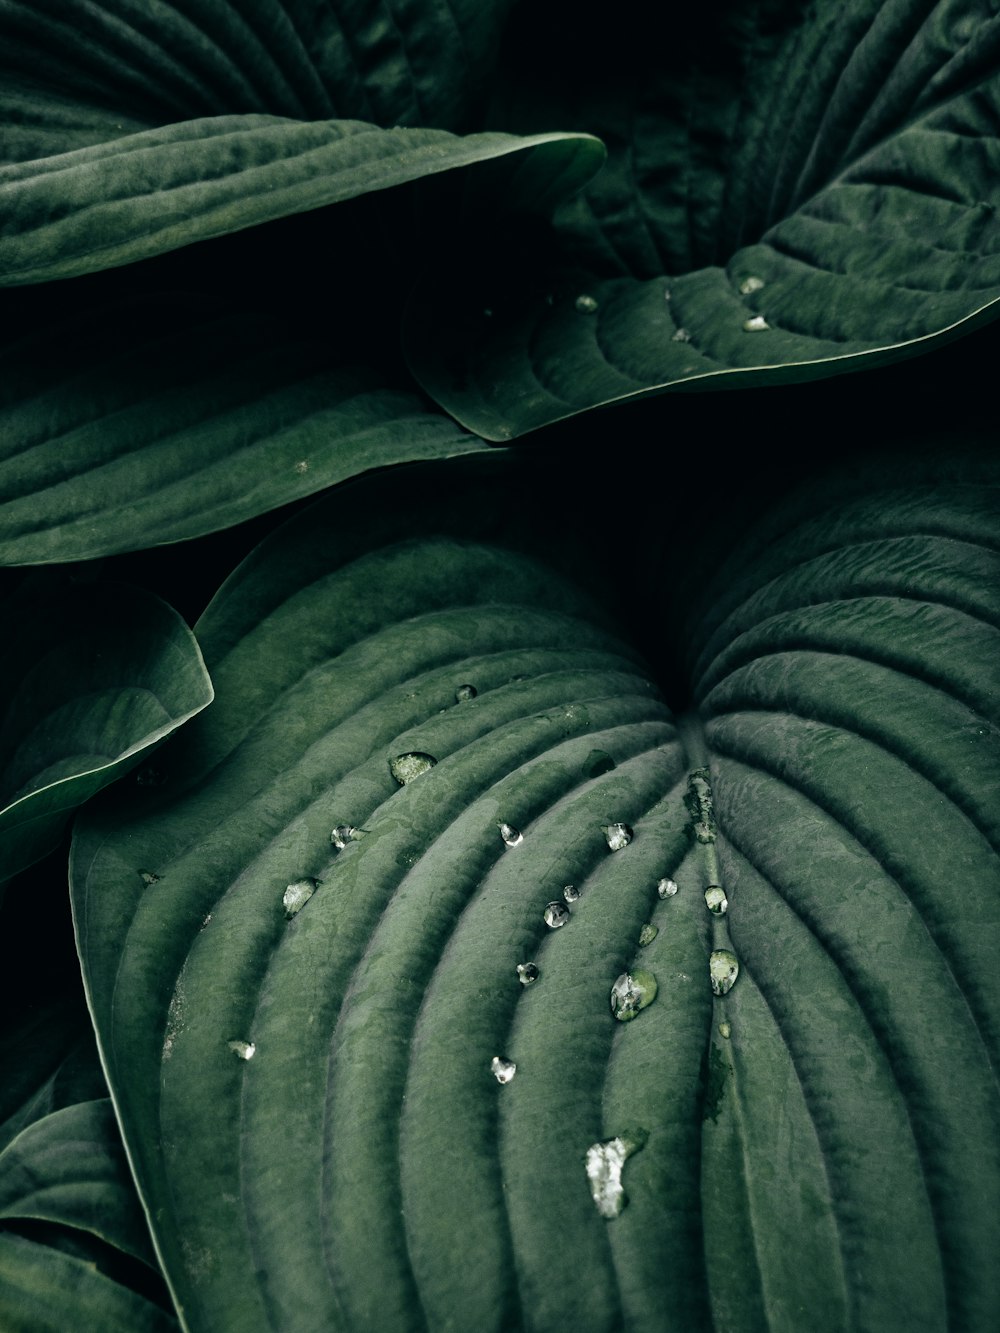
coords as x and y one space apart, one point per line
72 1231
299 1028
792 191
94 676
158 419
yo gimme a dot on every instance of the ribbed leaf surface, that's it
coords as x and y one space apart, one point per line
95 675
299 1029
792 191
157 419
117 202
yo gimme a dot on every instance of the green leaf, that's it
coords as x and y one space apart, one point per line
157 419
118 202
298 1030
95 676
74 1244
79 72
791 192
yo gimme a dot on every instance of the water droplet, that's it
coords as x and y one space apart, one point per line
148 877
465 692
604 1170
297 895
699 803
556 914
512 837
502 1070
723 969
666 888
571 893
617 836
666 293
405 767
750 285
631 992
716 900
527 973
648 934
586 304
302 466
345 833
246 1050
725 1030
681 336
755 323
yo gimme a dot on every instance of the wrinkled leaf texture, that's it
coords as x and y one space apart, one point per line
94 676
830 1157
793 190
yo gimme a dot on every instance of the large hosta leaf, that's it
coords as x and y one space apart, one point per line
792 191
161 418
299 1014
117 202
95 675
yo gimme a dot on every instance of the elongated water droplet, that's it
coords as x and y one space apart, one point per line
755 324
246 1050
725 1030
666 888
632 992
405 767
527 973
571 893
681 336
586 304
617 836
465 692
723 969
297 895
345 833
556 914
148 877
666 293
648 934
512 837
604 1170
750 285
502 1070
716 900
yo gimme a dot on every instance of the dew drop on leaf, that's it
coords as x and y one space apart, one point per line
571 893
148 877
527 973
465 692
666 888
681 336
716 900
604 1170
556 914
617 836
297 895
723 969
405 767
244 1050
750 285
345 833
586 304
725 1030
512 837
755 324
648 934
632 992
502 1070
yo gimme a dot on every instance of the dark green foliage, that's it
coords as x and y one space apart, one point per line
474 708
